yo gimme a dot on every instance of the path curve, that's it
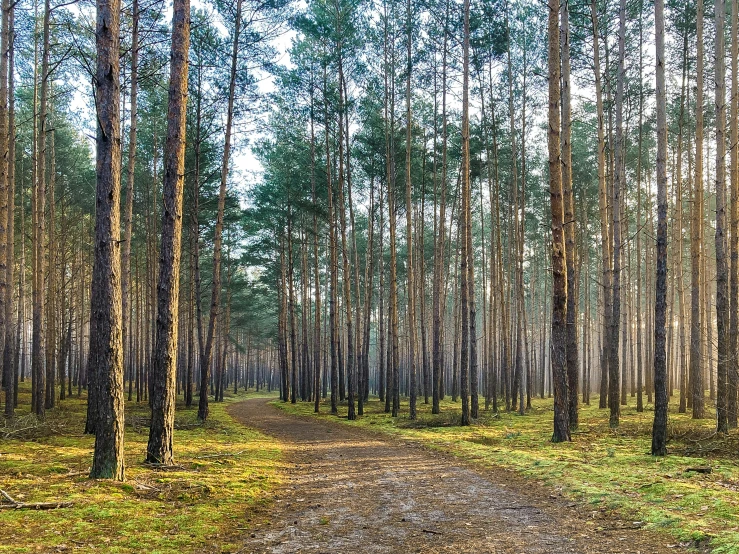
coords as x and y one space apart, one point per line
350 491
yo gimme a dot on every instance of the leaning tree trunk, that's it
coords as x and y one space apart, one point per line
164 367
106 347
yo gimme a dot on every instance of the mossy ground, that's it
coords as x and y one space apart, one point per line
227 472
605 469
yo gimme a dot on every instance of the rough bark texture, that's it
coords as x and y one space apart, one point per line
569 202
164 367
106 347
559 262
659 429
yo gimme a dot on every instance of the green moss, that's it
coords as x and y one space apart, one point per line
610 469
186 510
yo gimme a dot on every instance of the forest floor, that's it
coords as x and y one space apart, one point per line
224 477
604 473
351 488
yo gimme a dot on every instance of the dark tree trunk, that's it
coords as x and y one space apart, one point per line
106 347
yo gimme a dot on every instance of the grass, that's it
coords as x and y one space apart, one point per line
605 469
203 506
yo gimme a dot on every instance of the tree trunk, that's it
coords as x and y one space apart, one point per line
206 359
569 206
659 429
411 321
722 269
603 204
559 261
106 348
159 449
618 182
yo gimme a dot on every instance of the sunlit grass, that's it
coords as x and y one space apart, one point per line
204 505
606 469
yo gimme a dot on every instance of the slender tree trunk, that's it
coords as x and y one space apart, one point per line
618 183
659 429
37 348
722 269
409 226
437 307
466 258
734 220
569 206
206 359
9 365
130 174
603 204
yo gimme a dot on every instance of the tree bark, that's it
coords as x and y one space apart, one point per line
164 368
659 429
106 348
559 261
722 268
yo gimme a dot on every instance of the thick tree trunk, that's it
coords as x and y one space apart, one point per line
106 348
164 367
559 261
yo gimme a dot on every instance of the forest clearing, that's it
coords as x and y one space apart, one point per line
375 275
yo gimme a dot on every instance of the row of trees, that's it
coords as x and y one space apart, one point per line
388 102
92 290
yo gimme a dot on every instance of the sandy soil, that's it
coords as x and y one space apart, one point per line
351 491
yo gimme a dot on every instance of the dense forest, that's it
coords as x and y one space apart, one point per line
355 199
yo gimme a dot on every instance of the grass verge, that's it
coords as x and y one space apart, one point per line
605 469
227 471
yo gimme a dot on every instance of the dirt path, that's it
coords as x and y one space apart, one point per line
348 491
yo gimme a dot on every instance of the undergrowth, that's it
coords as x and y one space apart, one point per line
224 472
